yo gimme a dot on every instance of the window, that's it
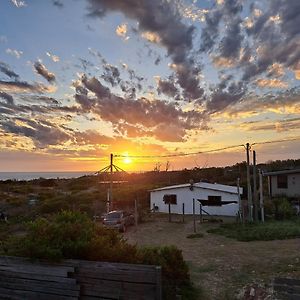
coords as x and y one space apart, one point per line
282 181
214 201
170 199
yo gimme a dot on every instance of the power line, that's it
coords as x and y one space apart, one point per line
276 141
178 154
207 151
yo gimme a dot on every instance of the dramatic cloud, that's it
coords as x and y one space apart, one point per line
42 70
167 87
147 113
161 22
111 74
9 98
287 101
271 83
43 133
278 126
25 87
4 68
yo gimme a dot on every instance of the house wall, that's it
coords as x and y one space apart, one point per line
293 189
185 195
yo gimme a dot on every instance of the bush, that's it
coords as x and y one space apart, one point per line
73 235
175 272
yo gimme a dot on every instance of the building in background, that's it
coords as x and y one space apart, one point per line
284 183
216 199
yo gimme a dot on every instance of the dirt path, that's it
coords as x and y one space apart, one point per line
218 265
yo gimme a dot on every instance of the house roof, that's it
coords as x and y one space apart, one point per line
203 185
282 172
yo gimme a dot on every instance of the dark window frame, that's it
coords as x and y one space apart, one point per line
214 200
282 181
170 199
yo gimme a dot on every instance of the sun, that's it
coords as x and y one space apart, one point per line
127 160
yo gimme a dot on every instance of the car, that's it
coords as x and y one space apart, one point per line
118 219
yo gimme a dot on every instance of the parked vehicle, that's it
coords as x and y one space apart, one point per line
118 219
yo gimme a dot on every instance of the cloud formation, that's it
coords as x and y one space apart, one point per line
149 114
4 68
160 19
44 72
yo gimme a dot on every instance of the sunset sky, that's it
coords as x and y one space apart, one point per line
80 79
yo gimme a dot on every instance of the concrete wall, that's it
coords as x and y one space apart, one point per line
185 195
293 189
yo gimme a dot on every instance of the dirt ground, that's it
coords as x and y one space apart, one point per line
221 267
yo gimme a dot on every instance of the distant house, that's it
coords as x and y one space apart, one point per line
217 199
284 183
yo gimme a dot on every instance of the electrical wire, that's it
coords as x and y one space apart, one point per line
207 151
178 154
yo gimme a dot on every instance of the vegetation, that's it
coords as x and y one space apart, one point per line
73 235
271 230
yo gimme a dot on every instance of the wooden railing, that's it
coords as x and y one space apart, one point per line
77 279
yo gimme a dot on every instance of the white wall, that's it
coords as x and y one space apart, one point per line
293 189
185 195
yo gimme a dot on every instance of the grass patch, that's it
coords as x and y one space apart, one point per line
272 230
195 235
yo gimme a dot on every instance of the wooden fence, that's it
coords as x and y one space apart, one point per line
77 279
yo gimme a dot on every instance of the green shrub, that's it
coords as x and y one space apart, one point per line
175 272
71 234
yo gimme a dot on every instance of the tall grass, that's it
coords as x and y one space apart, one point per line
272 230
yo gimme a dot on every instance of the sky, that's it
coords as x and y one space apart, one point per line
149 81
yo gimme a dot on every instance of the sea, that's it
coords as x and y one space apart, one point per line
37 175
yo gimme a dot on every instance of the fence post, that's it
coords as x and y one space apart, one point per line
201 217
194 217
170 212
182 212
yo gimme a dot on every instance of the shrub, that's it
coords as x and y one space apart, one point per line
175 272
73 235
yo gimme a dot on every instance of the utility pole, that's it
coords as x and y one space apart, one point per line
111 181
255 200
249 184
241 208
261 198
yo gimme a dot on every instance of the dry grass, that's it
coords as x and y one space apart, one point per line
221 266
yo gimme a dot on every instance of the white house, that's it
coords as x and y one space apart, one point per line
284 183
216 199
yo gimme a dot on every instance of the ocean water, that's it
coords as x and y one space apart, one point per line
46 175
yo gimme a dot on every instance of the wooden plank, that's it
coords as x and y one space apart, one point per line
36 288
27 282
123 292
99 264
117 275
9 260
116 285
158 286
34 269
26 295
40 277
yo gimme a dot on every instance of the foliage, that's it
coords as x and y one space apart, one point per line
283 208
272 230
73 235
175 272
